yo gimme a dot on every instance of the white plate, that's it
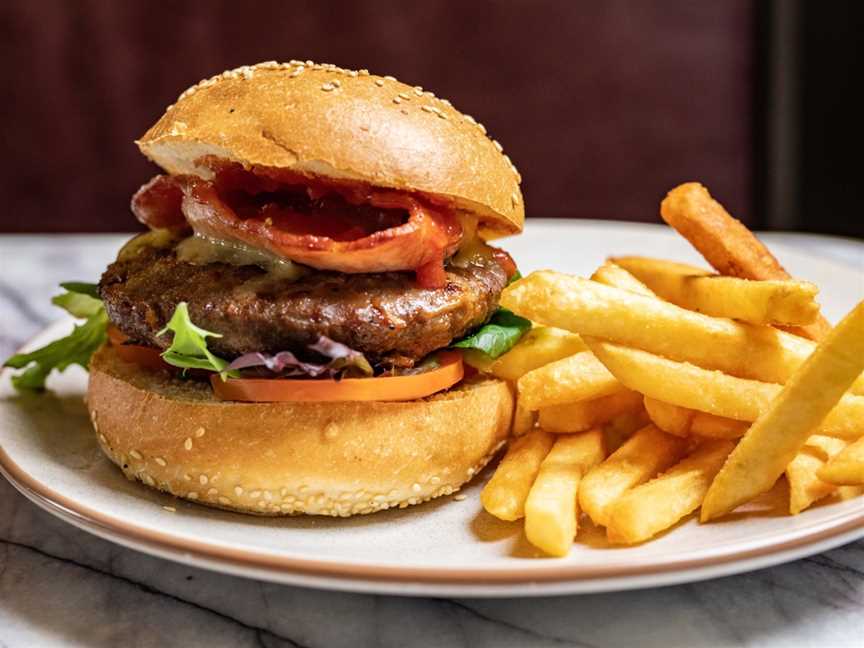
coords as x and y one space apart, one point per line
446 547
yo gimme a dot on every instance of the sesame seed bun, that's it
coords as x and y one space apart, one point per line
335 459
324 121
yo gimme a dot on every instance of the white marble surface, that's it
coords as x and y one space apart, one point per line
62 586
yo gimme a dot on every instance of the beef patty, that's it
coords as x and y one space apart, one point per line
386 316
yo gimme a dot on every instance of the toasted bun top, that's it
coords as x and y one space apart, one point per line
322 120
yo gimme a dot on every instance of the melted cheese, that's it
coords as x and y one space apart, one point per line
202 250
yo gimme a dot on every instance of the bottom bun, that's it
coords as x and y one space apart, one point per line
335 459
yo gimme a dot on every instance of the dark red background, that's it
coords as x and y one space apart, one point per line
603 106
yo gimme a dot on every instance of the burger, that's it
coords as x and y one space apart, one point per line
287 336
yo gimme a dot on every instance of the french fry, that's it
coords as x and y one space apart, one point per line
714 392
642 456
672 419
622 427
551 510
584 415
577 378
725 242
612 274
504 495
773 301
805 486
712 426
806 400
847 467
645 511
523 419
623 317
539 346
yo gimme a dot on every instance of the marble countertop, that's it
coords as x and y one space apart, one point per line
62 586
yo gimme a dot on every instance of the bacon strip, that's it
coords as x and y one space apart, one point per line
428 236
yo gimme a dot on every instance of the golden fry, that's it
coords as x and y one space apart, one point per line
658 504
538 347
577 378
504 495
725 242
672 419
641 457
774 439
767 302
847 467
584 415
523 419
623 317
612 274
712 391
717 427
551 510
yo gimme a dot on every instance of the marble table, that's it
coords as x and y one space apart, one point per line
62 586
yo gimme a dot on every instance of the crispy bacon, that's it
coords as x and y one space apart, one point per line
157 204
427 236
329 228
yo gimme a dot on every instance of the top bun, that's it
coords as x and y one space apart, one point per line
321 120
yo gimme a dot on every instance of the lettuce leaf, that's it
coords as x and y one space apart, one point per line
81 301
188 349
498 335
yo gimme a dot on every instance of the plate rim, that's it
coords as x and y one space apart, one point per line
821 536
552 572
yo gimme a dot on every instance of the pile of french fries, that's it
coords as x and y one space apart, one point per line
654 389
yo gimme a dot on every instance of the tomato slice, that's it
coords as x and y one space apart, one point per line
385 388
262 390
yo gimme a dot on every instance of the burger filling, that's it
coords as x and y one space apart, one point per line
262 273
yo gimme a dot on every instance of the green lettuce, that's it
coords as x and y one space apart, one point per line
82 302
188 349
498 335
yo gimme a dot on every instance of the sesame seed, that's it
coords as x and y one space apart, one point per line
188 443
212 492
418 90
262 504
397 100
255 494
379 82
304 489
224 500
481 127
429 109
136 455
170 509
470 119
435 480
363 72
147 479
296 72
460 498
441 115
514 199
238 491
161 461
203 479
337 83
187 476
103 439
416 487
199 432
268 495
192 495
447 103
405 96
327 87
471 471
497 146
390 78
